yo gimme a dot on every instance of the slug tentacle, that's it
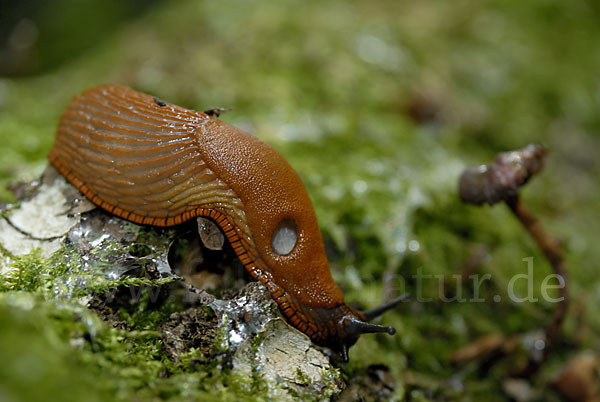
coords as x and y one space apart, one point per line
379 310
154 163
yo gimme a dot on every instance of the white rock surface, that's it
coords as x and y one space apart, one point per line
40 222
288 358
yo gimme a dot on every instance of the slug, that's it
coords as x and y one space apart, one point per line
154 163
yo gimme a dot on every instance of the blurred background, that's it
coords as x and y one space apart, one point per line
379 106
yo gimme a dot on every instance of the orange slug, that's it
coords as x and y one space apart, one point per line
155 163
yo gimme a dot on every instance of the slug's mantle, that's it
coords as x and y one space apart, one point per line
159 164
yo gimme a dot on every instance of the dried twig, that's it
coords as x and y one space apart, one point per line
500 181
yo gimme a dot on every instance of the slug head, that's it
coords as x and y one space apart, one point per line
350 324
287 239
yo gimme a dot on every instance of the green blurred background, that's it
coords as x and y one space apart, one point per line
379 106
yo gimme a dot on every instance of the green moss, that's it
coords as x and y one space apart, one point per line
27 273
64 350
38 361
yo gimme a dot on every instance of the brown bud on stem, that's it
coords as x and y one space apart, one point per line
500 181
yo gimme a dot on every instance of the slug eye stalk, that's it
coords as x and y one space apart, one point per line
377 311
354 328
355 325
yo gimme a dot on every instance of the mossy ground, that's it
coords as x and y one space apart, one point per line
378 106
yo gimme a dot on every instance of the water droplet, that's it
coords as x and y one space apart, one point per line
539 344
413 245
